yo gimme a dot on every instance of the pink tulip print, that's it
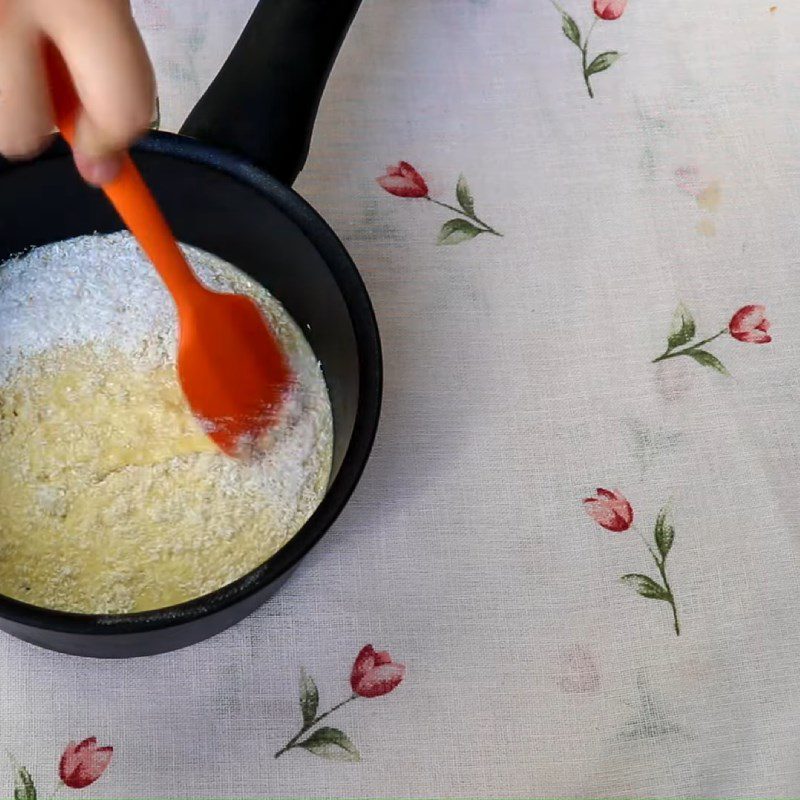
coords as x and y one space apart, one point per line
604 10
609 9
749 324
612 511
80 765
374 674
83 763
403 180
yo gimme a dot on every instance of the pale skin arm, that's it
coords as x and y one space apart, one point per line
106 57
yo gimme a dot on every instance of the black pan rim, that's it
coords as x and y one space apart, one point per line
365 327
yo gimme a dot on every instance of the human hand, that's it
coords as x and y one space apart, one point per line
110 69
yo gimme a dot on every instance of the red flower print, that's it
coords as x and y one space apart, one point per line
749 324
610 510
610 9
403 181
374 673
83 763
614 512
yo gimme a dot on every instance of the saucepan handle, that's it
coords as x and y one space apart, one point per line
264 100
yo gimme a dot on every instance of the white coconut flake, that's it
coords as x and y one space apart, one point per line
100 291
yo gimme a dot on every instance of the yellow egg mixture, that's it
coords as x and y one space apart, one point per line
112 499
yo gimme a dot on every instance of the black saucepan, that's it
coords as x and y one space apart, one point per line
224 187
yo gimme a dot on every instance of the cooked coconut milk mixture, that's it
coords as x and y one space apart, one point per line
112 499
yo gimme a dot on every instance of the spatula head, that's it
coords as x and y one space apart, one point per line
232 367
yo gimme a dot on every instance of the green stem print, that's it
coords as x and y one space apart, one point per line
468 212
605 10
585 60
653 589
700 356
748 324
323 736
317 739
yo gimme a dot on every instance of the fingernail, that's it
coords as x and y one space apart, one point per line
97 170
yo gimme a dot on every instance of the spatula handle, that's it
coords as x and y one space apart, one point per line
128 192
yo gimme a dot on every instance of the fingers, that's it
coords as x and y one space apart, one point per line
98 170
26 116
112 75
109 66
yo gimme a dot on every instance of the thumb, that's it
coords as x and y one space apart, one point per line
97 156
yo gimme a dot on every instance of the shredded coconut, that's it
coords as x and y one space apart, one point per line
112 499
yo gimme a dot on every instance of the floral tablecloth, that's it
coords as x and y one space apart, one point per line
584 260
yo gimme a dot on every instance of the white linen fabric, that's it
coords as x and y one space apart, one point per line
519 378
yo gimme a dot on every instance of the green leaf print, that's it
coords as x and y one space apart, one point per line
464 196
646 587
682 329
708 360
309 698
602 62
665 533
571 29
331 743
456 230
24 788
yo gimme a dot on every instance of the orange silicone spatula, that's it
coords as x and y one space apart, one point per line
233 370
